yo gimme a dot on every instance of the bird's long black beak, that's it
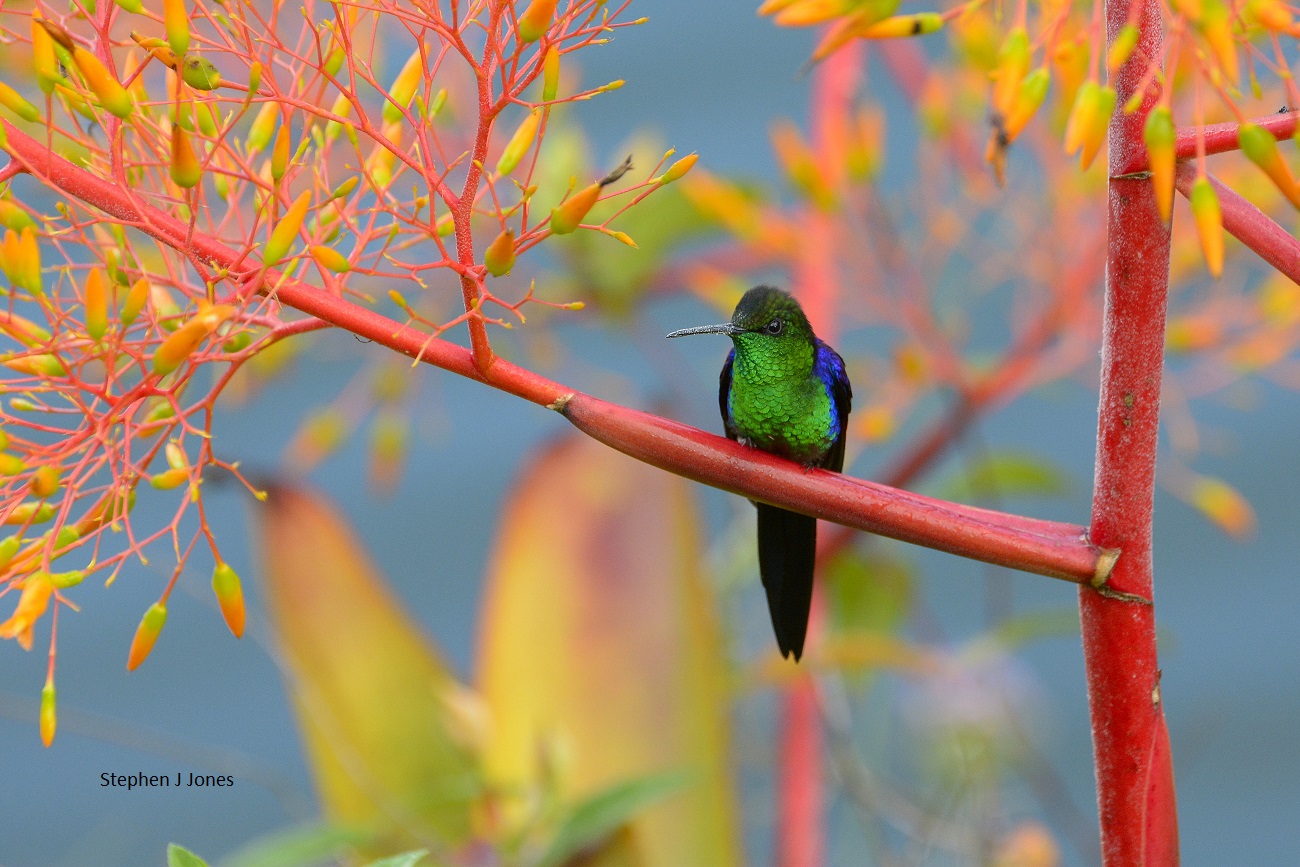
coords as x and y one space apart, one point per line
724 328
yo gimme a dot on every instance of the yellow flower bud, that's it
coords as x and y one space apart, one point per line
1160 137
146 634
1012 66
47 65
499 257
110 92
535 20
403 89
330 258
286 230
568 215
280 153
176 21
551 74
1125 41
230 597
185 169
49 717
1033 90
135 300
1209 224
1260 148
181 343
45 481
14 101
678 169
519 144
259 134
899 26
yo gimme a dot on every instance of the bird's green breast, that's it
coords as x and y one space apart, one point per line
779 405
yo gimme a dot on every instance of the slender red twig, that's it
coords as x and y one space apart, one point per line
1134 771
1219 138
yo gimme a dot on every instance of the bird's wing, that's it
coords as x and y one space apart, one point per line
842 400
724 391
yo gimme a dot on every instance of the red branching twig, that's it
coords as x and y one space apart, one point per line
1044 547
1134 771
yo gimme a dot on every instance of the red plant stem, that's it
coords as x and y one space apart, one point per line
1248 224
1219 138
1134 772
1044 547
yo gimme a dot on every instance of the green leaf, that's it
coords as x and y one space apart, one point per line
602 814
1005 474
179 856
406 859
293 847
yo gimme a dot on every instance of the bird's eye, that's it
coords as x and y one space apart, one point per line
775 327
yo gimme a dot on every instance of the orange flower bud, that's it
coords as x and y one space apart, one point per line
566 216
1271 14
1209 224
519 144
185 169
49 719
135 300
379 165
1125 41
499 257
230 596
111 94
176 21
23 260
42 364
32 603
550 74
146 634
14 101
1160 135
1085 106
535 20
330 258
403 89
181 343
286 230
96 304
1189 9
1260 148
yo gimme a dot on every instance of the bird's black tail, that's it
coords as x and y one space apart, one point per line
787 547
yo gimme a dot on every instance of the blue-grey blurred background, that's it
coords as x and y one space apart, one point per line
707 77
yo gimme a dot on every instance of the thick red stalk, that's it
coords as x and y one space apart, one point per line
1134 770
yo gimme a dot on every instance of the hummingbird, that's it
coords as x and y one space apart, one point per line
783 390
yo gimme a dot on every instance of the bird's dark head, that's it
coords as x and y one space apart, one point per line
764 318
